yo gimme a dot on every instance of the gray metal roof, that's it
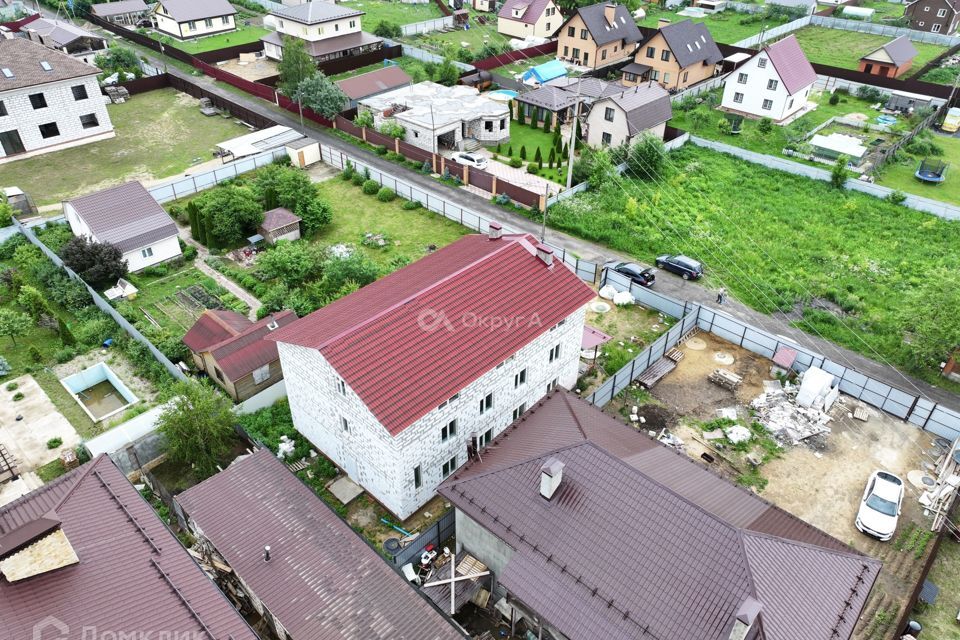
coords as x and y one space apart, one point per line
187 10
120 7
624 27
588 87
59 33
636 68
691 43
646 106
314 12
23 57
549 97
126 216
900 50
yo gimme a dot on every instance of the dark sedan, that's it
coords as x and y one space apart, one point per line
686 268
645 277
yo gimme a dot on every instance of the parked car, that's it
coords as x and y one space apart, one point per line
687 268
470 159
880 505
645 277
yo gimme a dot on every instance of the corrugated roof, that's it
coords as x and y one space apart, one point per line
412 339
691 43
646 106
792 66
690 570
23 57
126 216
133 574
900 51
367 84
548 97
214 326
588 87
323 582
58 33
120 7
624 27
237 344
532 10
314 12
187 10
278 218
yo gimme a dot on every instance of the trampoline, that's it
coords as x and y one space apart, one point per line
933 171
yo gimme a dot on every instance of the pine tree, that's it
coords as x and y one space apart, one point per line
538 157
552 158
523 152
546 124
510 151
66 337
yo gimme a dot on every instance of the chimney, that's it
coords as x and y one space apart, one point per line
496 231
750 608
662 22
272 325
545 253
266 553
610 13
551 473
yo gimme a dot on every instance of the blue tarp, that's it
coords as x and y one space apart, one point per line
545 72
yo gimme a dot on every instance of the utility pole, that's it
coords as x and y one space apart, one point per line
543 222
573 137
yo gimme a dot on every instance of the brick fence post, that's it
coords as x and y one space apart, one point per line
493 188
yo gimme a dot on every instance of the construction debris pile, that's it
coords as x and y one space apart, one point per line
778 411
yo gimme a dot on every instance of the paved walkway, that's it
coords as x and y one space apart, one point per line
202 254
586 250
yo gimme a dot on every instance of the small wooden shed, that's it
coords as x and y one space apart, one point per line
279 224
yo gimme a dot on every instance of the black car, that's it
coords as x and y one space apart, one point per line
687 268
645 277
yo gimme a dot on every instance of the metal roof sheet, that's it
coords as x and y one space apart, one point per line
791 64
187 10
120 7
532 10
367 84
126 216
691 43
624 27
315 12
278 218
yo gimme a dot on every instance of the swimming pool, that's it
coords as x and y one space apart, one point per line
502 95
99 391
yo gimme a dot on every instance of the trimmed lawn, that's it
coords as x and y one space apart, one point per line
158 134
725 26
899 175
781 242
844 49
409 232
939 620
242 35
521 66
393 11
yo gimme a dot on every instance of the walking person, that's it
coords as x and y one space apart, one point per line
721 295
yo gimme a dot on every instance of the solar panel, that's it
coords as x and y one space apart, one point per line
45 65
7 73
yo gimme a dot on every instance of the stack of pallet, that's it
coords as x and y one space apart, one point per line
725 379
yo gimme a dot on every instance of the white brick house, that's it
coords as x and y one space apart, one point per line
395 381
328 30
774 83
184 19
48 101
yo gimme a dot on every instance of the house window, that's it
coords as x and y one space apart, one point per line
606 139
520 379
226 20
665 55
280 22
555 353
603 54
738 97
3 109
218 373
38 100
503 124
417 477
79 92
742 78
552 385
666 77
790 106
147 253
629 77
261 374
49 130
519 411
767 105
655 74
686 74
566 51
486 403
608 114
576 53
583 34
762 63
936 28
208 23
773 84
89 121
191 26
353 23
449 466
448 431
336 26
571 32
651 52
341 386
344 424
941 13
486 437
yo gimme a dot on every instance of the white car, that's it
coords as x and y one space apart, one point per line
470 159
880 505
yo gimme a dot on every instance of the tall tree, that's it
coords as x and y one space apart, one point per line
295 66
198 426
13 324
230 214
99 264
321 95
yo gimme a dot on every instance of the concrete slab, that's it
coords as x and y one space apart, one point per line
345 489
19 488
27 439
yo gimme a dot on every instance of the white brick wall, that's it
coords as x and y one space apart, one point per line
182 30
384 464
62 108
754 92
314 32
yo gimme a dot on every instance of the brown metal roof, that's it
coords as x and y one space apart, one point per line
237 344
133 575
213 327
126 216
278 218
23 57
703 545
374 82
323 582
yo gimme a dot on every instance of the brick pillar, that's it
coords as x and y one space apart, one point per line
433 162
542 203
396 145
363 133
554 120
466 174
443 165
493 188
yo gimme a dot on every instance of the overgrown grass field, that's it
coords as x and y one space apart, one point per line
776 241
725 27
844 49
396 12
899 173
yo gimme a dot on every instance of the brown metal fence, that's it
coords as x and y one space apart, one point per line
227 53
513 56
454 169
144 84
481 179
247 115
346 126
415 153
375 137
518 194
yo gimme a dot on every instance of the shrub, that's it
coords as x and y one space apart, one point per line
393 156
411 205
386 194
386 29
426 167
380 150
919 147
838 175
53 443
11 386
532 169
348 171
765 125
393 129
18 396
64 355
5 367
363 119
371 187
870 94
516 163
358 179
501 199
724 126
35 354
546 124
179 213
189 252
523 152
834 98
509 153
897 197
538 156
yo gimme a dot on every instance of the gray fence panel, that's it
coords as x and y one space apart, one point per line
426 26
921 412
944 422
436 534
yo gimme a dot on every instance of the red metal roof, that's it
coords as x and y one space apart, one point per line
411 340
212 327
323 582
235 343
133 577
792 66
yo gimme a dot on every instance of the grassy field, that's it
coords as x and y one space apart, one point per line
159 133
940 619
791 241
725 27
393 11
844 49
242 35
475 37
409 232
412 66
900 174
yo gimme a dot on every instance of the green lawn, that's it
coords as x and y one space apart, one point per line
774 239
900 175
521 66
725 26
242 35
412 66
409 232
940 619
158 134
844 49
449 42
394 11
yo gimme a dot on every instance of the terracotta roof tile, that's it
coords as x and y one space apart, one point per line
23 57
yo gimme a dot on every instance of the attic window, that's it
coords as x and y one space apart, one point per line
689 48
703 38
7 73
45 65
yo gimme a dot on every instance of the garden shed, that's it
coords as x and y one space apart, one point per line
303 152
838 144
279 224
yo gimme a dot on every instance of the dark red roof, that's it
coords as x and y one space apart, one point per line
133 574
237 344
323 582
212 327
374 82
412 339
278 218
694 563
792 66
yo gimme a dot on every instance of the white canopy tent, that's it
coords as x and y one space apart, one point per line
258 142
